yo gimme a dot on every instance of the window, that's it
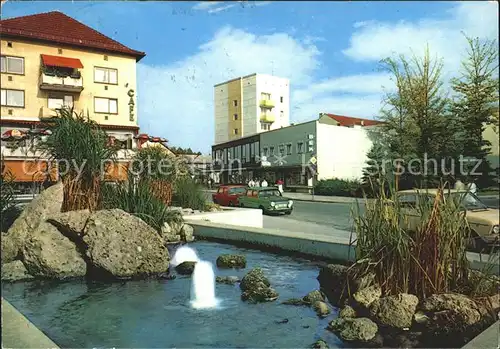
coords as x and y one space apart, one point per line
235 131
289 149
264 126
265 96
235 103
59 102
282 149
300 147
59 50
271 151
282 114
9 44
105 105
12 65
281 100
106 75
12 98
235 117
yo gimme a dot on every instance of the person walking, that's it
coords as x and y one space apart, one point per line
279 183
251 183
264 183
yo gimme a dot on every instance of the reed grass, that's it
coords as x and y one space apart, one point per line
81 149
426 258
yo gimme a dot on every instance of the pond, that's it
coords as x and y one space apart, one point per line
157 313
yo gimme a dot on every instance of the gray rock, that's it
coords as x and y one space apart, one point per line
260 292
347 312
321 308
165 228
450 313
320 344
255 287
354 330
185 268
231 261
15 271
49 254
366 296
229 280
72 222
313 296
395 311
10 248
47 203
124 245
333 281
187 233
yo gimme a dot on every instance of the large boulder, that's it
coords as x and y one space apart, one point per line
15 271
187 233
354 330
450 313
347 312
255 287
333 280
123 245
49 254
10 248
71 223
185 268
395 311
231 261
48 202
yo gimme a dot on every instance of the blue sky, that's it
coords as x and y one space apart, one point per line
329 50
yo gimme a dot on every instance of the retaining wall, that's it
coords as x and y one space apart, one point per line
245 217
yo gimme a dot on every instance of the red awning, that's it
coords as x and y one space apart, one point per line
58 61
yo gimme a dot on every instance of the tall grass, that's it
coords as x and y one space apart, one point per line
188 193
81 148
9 210
426 257
137 199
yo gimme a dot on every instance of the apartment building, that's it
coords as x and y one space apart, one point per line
249 105
331 146
50 60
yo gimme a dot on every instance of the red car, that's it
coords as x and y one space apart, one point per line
227 195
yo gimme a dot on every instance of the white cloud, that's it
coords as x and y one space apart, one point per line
218 6
375 40
176 100
205 5
221 8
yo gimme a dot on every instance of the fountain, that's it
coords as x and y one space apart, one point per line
184 254
203 284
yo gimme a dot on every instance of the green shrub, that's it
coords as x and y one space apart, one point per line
138 200
188 194
338 187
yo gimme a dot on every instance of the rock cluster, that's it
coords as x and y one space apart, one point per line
369 319
255 287
314 299
175 233
228 280
111 244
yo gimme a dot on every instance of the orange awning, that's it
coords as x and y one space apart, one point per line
59 61
29 170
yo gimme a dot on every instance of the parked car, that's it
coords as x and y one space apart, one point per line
228 195
483 221
268 199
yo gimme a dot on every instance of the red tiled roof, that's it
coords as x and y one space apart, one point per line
350 121
59 28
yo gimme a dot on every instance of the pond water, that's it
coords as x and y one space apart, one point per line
157 313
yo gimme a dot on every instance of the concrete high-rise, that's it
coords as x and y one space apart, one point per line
249 105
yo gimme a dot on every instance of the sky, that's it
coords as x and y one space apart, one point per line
330 51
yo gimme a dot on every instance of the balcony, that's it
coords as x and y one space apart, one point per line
52 82
267 118
266 103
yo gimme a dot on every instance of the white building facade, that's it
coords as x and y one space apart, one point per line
249 105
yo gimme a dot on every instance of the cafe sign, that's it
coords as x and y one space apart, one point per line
131 104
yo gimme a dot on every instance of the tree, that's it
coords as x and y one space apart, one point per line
476 103
415 117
